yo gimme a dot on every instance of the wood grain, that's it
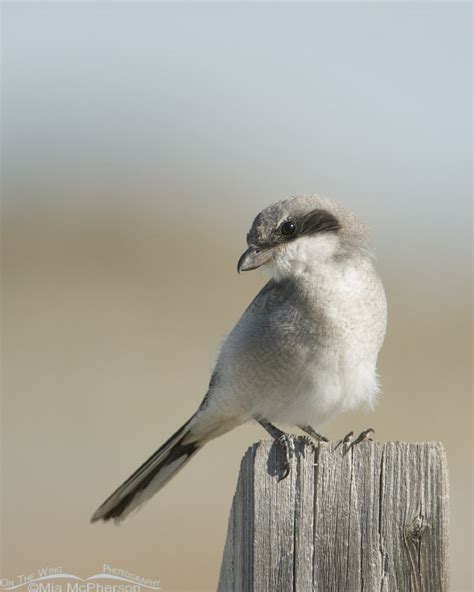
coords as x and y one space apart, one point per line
372 519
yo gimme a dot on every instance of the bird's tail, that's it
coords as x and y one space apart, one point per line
150 477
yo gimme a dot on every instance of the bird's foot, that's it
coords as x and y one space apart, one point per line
363 436
314 440
348 443
285 442
287 445
313 433
314 445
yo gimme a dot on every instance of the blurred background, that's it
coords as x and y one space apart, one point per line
139 142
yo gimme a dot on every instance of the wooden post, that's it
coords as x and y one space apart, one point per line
372 519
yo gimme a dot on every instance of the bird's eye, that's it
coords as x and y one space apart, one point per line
288 228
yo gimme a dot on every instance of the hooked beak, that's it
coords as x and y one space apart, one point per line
254 257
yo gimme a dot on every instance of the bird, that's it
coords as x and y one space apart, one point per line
304 350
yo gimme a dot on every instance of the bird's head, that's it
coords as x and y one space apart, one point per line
300 233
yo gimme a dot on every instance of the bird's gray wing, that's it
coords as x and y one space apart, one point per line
277 314
271 295
271 341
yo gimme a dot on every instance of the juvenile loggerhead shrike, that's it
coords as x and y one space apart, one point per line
305 349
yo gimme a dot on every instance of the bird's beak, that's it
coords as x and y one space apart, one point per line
254 257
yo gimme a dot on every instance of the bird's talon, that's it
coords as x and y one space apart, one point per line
346 442
364 436
288 447
310 442
313 433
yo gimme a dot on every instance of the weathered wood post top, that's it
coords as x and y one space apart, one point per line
374 518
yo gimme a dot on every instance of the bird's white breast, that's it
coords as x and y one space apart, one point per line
349 303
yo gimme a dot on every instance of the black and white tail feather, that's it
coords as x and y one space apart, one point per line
150 477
